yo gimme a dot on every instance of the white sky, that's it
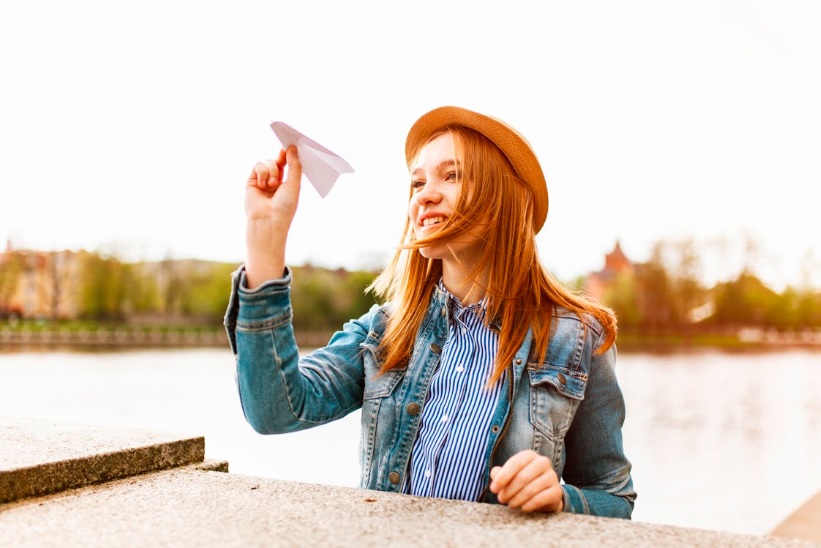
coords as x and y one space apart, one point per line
133 125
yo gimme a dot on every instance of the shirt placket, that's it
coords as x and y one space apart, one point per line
457 375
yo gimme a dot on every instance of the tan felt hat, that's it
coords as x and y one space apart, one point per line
511 142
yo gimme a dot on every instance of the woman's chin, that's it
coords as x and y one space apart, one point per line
433 251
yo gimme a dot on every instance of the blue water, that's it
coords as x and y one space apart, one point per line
718 441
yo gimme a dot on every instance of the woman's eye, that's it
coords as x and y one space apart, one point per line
417 183
453 176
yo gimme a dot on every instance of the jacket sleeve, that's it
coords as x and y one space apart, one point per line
597 473
279 390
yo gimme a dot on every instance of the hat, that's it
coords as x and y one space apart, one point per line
509 141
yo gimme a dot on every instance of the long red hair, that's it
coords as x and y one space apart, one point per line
520 292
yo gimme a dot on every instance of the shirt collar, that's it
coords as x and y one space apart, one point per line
454 302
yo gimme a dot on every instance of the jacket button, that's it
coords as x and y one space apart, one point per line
435 348
393 477
562 379
495 429
413 408
518 361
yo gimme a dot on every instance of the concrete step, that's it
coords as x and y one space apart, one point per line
185 507
78 485
39 457
805 522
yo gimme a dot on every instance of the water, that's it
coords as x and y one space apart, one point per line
718 441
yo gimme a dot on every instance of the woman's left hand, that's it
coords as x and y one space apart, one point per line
527 481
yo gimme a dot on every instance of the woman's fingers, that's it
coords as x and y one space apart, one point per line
546 500
530 480
527 481
266 175
502 476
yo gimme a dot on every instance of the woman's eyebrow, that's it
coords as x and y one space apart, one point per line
444 164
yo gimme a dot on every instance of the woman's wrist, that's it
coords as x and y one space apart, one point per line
265 242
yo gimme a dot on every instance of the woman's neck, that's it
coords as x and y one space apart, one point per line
468 290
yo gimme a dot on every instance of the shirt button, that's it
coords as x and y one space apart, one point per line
460 369
435 348
413 408
393 477
445 418
427 473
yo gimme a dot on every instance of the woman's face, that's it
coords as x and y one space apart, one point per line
436 184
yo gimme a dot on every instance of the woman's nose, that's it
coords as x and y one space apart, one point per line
428 194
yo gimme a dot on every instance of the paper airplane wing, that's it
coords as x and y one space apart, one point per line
321 166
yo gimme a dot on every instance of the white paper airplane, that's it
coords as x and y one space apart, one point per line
321 166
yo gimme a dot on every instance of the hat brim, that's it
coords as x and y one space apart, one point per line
509 141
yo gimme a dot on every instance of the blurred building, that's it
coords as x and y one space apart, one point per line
616 264
39 284
67 285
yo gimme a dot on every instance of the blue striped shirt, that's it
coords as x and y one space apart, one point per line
448 458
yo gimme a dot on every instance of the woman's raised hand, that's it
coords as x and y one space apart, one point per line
270 197
270 205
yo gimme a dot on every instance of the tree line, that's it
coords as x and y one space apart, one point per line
666 292
101 287
663 293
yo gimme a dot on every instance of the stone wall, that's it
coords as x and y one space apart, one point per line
81 485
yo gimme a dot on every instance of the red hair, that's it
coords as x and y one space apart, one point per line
520 292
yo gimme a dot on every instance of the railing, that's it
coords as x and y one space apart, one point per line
114 337
135 337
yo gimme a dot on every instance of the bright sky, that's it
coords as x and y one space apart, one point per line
132 126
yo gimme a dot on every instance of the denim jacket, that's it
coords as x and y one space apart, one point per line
566 405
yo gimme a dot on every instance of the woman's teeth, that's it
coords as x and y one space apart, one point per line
432 221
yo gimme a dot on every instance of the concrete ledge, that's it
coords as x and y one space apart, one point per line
40 457
210 465
803 523
79 485
184 507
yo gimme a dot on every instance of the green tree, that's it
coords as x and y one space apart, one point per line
358 300
653 289
104 287
687 292
11 268
204 295
623 298
744 301
314 295
144 293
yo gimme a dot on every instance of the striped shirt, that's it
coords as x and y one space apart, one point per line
448 458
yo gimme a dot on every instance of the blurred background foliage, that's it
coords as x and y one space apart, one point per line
666 294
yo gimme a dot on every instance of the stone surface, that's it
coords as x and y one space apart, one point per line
804 522
210 465
38 457
186 507
120 487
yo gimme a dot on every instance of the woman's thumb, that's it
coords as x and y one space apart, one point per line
294 167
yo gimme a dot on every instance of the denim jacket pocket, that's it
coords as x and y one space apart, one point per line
555 395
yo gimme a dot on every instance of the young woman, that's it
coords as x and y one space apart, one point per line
481 378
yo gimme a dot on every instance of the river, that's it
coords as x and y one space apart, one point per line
721 441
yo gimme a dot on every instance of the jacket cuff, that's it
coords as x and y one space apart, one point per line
574 500
241 293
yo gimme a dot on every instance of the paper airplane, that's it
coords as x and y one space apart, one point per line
321 166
